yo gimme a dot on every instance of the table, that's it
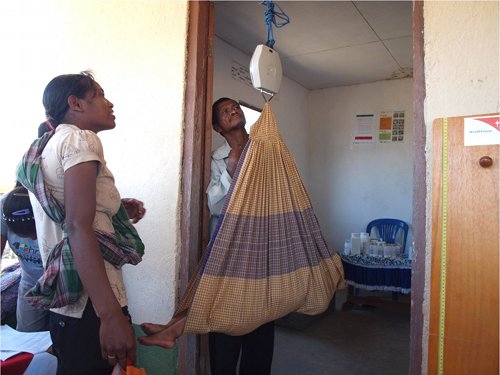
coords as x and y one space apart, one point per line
369 272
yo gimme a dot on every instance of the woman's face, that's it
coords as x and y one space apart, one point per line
98 110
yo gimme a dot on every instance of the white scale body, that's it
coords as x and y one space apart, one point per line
265 70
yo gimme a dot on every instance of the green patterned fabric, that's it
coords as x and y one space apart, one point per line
60 284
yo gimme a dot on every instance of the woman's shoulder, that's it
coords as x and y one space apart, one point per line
72 142
73 134
73 130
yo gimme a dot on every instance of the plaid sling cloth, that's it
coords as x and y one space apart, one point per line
60 284
267 256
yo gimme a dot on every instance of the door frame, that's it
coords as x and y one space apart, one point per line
419 193
193 349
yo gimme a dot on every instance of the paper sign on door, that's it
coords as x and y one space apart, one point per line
481 131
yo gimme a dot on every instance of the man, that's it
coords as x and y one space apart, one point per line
256 347
229 121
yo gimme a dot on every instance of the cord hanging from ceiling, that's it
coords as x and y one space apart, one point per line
265 64
271 16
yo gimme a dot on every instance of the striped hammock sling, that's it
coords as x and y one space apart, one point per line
267 256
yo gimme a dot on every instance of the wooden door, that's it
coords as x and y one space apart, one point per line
472 245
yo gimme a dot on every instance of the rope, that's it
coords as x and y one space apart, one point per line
270 16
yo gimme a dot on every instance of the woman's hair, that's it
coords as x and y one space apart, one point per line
17 212
60 88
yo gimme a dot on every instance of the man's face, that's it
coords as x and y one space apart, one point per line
230 117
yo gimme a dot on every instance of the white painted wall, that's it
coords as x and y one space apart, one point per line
461 46
137 50
289 106
354 184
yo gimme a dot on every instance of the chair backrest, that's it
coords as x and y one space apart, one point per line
388 230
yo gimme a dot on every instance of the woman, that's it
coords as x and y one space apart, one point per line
66 172
18 229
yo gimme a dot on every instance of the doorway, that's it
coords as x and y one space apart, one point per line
200 81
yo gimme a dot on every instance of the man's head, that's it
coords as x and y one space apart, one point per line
227 116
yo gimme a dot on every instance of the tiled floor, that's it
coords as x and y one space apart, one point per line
356 341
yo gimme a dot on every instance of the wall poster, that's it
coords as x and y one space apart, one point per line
391 127
364 129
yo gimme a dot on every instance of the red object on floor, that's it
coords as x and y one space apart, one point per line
16 365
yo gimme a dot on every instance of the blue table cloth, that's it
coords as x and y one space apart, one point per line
378 273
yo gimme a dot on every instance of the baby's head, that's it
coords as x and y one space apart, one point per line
17 213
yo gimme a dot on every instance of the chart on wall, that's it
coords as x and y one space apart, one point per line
364 128
391 127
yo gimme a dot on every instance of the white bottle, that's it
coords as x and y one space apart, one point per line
365 242
355 244
347 247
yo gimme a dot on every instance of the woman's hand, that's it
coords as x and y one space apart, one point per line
117 339
135 209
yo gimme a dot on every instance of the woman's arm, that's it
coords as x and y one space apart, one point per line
116 334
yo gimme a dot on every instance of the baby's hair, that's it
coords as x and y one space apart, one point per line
44 127
17 212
